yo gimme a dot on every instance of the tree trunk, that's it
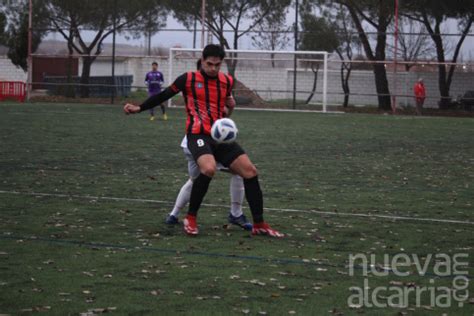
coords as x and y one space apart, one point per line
381 81
345 82
86 71
315 82
70 87
381 86
442 79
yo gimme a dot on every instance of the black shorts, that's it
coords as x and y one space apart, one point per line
201 144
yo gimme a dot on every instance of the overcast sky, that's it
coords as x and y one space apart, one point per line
185 39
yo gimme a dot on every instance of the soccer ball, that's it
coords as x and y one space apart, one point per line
224 131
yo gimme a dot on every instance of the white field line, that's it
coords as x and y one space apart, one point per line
388 217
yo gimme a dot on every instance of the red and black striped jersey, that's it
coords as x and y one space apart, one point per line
205 98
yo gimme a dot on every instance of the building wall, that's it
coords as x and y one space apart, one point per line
277 83
9 72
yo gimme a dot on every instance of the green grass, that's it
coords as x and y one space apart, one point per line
72 254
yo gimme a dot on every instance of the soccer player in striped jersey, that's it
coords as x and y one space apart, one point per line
236 215
205 93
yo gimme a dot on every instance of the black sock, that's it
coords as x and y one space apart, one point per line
199 190
163 109
254 196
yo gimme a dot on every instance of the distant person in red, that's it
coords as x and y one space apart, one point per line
420 95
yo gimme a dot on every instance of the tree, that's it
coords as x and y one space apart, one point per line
272 33
376 14
340 20
432 14
71 17
240 17
3 25
318 35
16 35
412 44
154 21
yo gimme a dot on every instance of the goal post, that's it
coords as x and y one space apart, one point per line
265 78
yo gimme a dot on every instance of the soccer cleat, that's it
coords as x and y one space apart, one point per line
171 220
265 229
240 221
190 225
152 118
165 117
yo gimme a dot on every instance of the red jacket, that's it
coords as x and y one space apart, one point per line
419 90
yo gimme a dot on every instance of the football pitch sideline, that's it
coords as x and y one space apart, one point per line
85 189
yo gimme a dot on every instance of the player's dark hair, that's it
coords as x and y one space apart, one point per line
213 50
198 64
154 63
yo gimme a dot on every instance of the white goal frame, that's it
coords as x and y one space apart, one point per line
173 50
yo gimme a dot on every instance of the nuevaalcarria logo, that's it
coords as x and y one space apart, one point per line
402 294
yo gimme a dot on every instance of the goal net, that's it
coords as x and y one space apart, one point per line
266 79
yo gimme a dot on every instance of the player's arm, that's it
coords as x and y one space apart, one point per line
230 105
230 101
162 78
178 85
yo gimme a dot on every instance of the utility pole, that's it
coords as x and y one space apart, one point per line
29 79
113 51
295 64
203 22
395 56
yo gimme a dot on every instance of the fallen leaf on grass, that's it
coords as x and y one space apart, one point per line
37 309
94 311
178 292
246 311
90 299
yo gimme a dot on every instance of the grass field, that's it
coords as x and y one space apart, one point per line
84 191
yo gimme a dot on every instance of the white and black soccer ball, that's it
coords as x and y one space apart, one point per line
224 131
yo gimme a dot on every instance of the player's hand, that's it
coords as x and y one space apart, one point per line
131 108
230 102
